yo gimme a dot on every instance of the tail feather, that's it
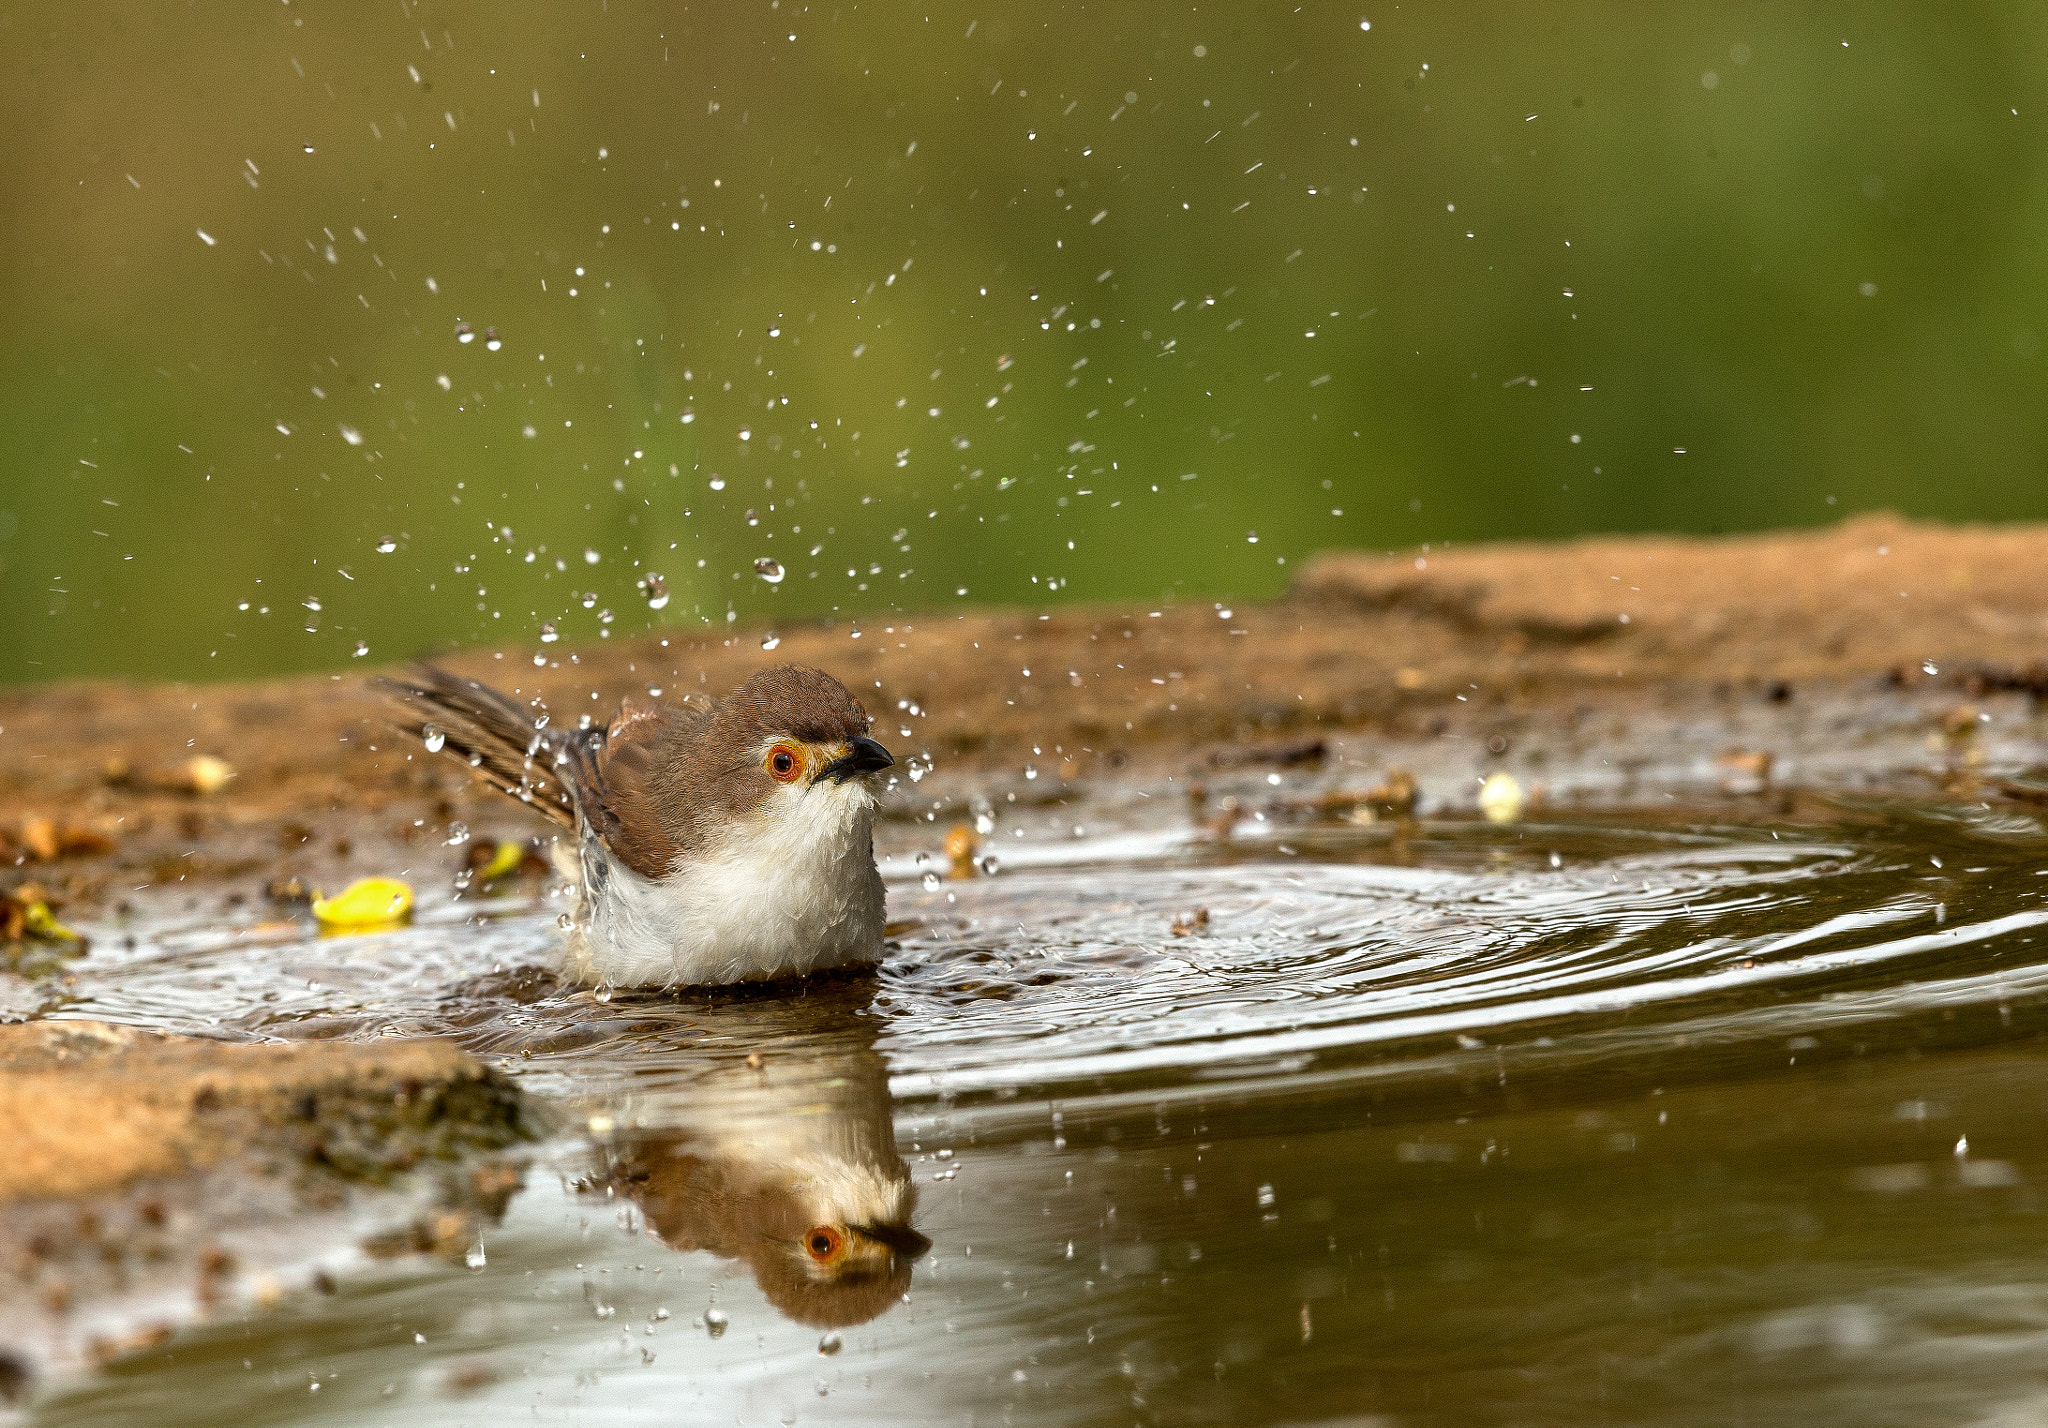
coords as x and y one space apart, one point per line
495 737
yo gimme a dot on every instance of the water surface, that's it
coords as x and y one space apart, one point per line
1612 1118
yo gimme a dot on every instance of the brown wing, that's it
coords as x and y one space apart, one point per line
615 770
494 736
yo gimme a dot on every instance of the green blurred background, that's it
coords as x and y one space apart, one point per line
963 304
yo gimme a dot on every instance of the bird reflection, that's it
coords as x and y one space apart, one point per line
767 1137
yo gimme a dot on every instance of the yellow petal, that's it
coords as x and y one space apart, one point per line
366 903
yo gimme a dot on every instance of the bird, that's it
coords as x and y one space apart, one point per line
774 1145
730 843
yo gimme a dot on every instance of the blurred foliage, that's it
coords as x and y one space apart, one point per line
1031 302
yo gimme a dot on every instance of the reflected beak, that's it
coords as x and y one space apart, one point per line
907 1243
863 756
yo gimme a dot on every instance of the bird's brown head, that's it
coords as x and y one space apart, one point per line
787 739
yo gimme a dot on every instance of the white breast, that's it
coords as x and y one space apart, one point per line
793 891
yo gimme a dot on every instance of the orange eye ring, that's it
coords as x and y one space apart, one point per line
823 1243
785 763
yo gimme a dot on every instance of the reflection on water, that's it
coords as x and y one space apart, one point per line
1616 1120
783 1157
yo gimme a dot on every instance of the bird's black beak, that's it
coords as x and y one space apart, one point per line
906 1242
863 756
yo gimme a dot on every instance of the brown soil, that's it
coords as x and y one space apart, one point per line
87 1108
1398 647
149 1180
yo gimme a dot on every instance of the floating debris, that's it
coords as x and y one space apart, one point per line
46 840
1190 922
203 774
961 846
366 905
32 942
1743 771
489 860
1501 798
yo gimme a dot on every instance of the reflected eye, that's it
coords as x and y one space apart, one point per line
785 762
823 1244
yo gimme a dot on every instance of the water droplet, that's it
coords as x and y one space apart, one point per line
1031 770
475 1258
1927 666
433 738
492 342
588 600
715 1322
753 517
989 865
362 648
658 1316
688 416
464 333
458 833
566 921
605 616
770 641
590 557
984 823
386 546
931 882
717 483
311 604
655 589
548 633
831 1344
350 435
769 569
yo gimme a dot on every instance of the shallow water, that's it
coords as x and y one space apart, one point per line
1615 1118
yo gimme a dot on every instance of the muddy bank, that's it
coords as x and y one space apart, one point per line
1525 645
147 1181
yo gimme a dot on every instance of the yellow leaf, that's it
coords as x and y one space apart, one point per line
365 904
507 857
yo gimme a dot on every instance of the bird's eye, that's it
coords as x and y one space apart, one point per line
823 1244
785 763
